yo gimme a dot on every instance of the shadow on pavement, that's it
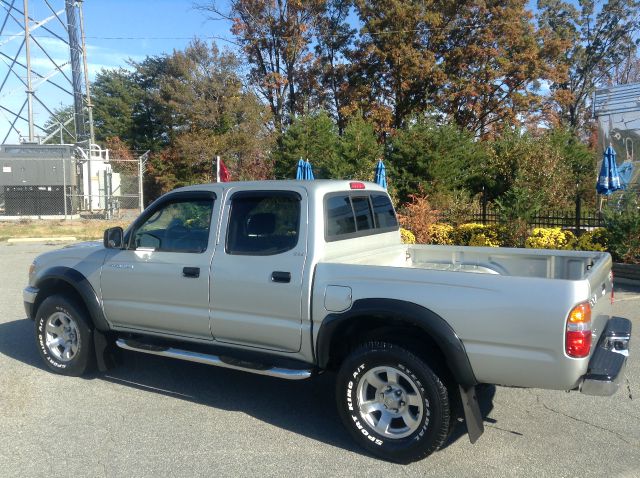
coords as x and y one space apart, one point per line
306 407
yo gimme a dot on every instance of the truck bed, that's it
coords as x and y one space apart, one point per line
546 264
502 303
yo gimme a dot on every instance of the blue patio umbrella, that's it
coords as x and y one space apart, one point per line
308 171
626 173
300 170
608 179
381 174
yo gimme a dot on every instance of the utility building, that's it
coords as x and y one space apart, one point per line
38 180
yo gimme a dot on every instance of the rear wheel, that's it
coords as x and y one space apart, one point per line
392 402
64 337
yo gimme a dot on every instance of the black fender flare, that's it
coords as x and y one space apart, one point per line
407 313
81 285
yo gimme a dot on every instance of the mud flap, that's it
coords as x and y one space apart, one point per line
472 415
105 351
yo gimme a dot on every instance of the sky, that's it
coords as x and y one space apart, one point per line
116 31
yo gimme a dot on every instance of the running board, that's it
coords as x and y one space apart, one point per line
215 360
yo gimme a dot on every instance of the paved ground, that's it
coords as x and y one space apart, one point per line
159 417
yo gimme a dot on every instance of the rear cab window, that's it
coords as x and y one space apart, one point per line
355 214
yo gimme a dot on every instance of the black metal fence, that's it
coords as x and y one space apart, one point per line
577 220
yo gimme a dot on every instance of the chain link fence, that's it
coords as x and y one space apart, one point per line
71 186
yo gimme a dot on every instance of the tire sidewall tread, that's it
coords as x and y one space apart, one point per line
434 427
83 359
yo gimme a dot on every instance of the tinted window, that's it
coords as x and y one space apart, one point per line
178 226
354 214
339 216
263 224
362 211
383 211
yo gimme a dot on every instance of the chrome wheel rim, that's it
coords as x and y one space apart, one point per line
62 337
390 402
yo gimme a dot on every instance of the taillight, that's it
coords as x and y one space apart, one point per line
356 185
577 341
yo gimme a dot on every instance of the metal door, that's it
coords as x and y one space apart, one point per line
257 273
160 283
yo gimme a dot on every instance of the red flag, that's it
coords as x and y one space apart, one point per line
223 172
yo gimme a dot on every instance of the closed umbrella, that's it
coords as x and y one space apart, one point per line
381 174
300 170
608 179
308 171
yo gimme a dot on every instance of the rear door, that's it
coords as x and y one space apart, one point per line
160 282
257 272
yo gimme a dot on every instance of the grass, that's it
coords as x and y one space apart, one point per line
82 229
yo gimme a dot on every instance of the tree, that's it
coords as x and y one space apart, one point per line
206 111
432 159
359 150
395 63
312 137
333 36
599 38
274 36
115 95
493 59
60 126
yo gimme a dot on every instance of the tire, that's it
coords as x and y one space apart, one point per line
392 403
64 336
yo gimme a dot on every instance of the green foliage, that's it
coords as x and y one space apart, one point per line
117 98
623 226
479 235
430 158
314 138
595 240
61 123
359 149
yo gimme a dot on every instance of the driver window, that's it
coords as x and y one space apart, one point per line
178 226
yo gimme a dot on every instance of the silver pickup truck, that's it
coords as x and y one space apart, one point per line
293 278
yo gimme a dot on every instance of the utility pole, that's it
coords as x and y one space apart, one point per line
27 45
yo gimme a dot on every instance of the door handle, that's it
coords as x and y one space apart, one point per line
191 272
279 276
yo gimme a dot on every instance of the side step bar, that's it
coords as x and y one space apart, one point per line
215 360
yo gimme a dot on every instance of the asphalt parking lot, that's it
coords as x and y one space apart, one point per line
153 416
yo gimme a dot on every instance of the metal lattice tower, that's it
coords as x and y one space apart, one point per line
41 57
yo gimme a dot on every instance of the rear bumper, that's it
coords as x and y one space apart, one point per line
607 364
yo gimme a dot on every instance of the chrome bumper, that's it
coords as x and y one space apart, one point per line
607 364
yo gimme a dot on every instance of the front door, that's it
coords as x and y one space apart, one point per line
160 282
257 273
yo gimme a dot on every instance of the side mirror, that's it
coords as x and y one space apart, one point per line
114 238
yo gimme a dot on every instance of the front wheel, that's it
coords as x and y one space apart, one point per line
64 337
392 403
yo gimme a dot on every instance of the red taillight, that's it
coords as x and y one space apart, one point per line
356 185
577 341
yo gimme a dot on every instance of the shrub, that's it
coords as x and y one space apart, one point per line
484 239
595 240
464 232
407 236
418 216
623 226
549 238
441 234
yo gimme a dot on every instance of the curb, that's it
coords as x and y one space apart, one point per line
18 240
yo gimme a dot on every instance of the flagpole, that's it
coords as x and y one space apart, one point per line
217 169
